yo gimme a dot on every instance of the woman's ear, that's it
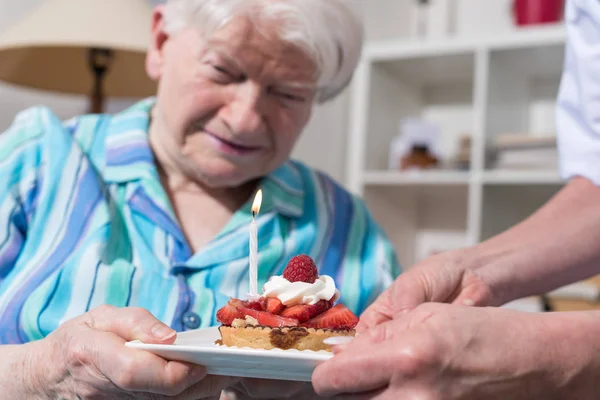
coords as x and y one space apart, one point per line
154 57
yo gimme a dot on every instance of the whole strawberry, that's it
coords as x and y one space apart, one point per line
301 269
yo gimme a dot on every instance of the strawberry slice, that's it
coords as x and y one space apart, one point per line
338 317
237 308
319 308
267 319
227 314
255 305
299 312
263 302
273 305
237 303
304 312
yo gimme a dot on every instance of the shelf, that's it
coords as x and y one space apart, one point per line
477 86
542 62
420 220
391 178
509 177
505 205
433 177
438 89
519 38
431 70
521 92
530 37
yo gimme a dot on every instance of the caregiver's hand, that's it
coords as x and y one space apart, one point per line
451 352
443 278
87 358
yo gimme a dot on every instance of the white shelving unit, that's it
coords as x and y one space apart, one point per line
480 86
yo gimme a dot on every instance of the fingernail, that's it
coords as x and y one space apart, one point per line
468 302
163 332
338 348
338 340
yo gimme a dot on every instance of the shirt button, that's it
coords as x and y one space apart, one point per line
191 320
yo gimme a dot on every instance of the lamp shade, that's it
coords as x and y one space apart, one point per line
48 49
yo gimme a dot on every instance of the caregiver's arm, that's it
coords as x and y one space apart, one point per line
450 352
556 245
559 244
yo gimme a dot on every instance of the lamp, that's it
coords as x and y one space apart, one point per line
94 47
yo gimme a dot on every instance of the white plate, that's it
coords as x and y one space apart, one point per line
199 347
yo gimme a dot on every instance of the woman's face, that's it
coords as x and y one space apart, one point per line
229 109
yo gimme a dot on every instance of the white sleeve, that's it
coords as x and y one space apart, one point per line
578 103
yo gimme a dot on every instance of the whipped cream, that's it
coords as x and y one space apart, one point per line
293 293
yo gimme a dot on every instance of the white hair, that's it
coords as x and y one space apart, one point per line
328 31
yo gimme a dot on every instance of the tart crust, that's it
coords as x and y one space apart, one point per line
264 337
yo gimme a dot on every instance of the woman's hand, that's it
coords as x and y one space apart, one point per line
441 351
87 358
443 278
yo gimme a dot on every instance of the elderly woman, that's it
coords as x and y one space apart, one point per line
146 213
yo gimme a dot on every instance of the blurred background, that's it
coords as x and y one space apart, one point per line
447 130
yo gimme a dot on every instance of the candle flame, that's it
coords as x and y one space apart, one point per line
257 202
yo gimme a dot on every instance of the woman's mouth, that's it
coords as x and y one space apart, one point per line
232 148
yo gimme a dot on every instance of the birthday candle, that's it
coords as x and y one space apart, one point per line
254 245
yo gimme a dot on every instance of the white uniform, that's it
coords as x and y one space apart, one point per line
578 105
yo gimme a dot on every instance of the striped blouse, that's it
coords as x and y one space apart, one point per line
85 221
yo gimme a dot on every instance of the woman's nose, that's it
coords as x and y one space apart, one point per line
245 111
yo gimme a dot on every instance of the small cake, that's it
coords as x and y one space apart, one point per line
296 311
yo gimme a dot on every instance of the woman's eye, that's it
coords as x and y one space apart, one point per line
221 70
290 96
224 75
